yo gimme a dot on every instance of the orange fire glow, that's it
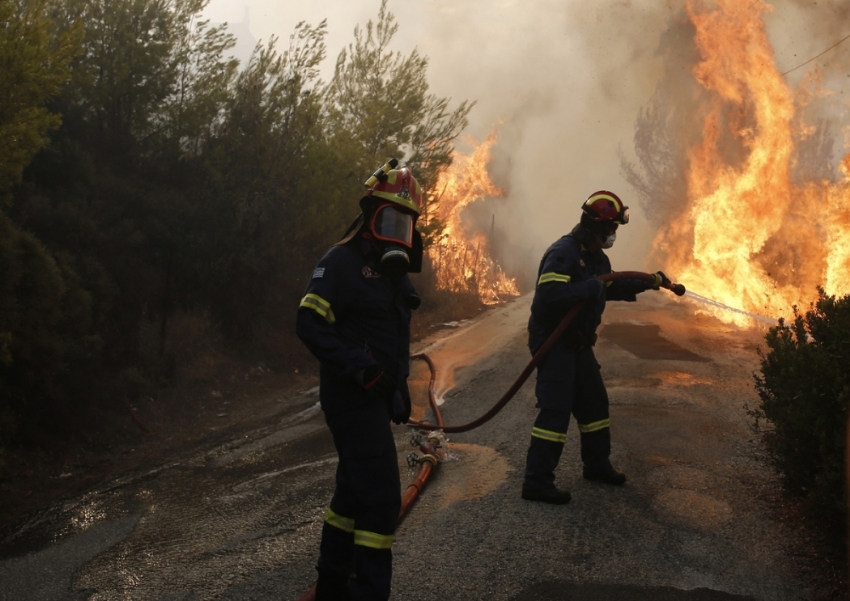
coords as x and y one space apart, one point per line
461 259
752 238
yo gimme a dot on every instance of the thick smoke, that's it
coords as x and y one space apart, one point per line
562 83
569 85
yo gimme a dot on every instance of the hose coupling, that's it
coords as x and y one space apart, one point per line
435 440
432 459
428 448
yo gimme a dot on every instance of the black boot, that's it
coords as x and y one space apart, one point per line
607 475
547 495
332 586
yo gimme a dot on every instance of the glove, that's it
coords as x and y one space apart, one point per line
378 384
591 289
659 279
400 409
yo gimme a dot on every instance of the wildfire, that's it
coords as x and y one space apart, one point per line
461 259
751 238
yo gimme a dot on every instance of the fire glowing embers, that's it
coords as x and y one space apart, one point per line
461 259
751 237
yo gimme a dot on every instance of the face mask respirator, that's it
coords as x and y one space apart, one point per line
609 241
394 260
393 232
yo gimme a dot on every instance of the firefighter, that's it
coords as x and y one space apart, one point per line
355 318
568 378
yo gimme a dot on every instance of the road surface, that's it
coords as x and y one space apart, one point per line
240 519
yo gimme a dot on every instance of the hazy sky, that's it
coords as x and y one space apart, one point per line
561 80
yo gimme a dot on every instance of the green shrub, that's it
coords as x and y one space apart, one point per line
804 390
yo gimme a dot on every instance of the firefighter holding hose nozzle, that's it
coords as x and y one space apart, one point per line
355 318
568 378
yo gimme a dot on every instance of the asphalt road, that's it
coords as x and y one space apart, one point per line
240 519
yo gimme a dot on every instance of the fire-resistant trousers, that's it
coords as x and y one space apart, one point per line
568 381
358 532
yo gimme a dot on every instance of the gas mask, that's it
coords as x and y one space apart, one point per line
399 244
609 241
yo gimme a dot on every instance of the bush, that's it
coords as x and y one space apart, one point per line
48 355
804 390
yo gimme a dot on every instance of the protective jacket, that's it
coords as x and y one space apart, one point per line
353 317
568 378
563 279
350 318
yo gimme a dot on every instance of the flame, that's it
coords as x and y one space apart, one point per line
461 258
751 238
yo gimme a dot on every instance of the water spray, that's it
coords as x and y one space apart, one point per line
719 305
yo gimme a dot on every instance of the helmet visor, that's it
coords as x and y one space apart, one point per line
392 225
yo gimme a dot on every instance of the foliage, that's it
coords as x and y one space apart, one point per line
255 170
804 387
33 67
378 107
45 347
154 182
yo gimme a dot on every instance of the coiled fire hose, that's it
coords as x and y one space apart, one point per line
431 449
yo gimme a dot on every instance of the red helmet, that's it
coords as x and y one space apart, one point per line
397 186
604 206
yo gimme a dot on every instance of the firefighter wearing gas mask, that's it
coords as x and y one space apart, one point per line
568 378
355 318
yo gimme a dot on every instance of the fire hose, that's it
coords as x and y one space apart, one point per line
432 449
678 289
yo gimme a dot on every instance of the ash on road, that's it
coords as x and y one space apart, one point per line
241 520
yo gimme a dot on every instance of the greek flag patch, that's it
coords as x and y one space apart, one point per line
318 272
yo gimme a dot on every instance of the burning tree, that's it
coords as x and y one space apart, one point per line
741 199
461 258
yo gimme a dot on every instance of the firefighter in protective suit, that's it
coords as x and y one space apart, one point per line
568 378
355 318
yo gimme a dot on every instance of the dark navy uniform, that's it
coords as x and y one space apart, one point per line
568 378
351 318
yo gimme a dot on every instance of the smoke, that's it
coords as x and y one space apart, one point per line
801 30
562 83
565 83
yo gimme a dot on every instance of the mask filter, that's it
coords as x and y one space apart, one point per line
395 260
609 241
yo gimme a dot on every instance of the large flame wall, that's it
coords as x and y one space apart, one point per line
750 237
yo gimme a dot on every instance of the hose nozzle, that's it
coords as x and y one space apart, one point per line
677 289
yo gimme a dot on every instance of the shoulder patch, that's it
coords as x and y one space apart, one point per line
318 272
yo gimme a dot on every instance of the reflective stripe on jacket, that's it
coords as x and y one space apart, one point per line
352 317
563 279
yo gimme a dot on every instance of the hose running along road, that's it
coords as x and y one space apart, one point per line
678 289
432 449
